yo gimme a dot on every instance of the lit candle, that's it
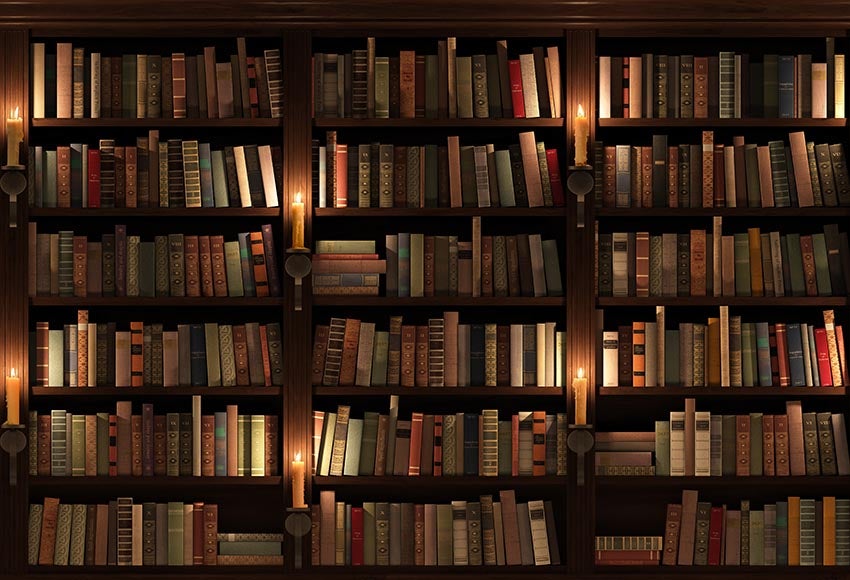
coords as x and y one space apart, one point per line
13 399
298 471
14 137
582 130
580 392
297 215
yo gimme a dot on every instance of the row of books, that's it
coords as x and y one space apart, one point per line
793 532
124 533
174 173
492 531
452 175
728 86
64 264
801 174
627 550
725 352
147 445
443 353
362 85
528 444
701 263
699 443
89 354
74 83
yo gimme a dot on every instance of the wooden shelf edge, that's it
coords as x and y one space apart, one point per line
320 391
767 301
400 482
543 572
717 122
161 572
730 212
172 482
443 212
728 482
155 391
122 123
729 572
438 301
336 122
721 392
134 301
158 212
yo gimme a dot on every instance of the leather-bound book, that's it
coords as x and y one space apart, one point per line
261 280
810 444
176 265
781 445
671 534
768 445
742 445
796 439
218 265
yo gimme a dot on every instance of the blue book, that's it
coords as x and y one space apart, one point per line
198 355
763 354
476 355
404 265
785 80
221 443
749 363
470 444
795 355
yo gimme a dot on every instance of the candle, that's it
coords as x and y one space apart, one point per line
298 471
580 392
13 399
582 130
14 137
297 216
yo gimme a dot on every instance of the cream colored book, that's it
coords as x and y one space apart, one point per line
540 342
539 538
242 176
137 535
604 87
660 351
725 379
38 80
529 86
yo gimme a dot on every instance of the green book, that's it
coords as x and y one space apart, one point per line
795 266
464 87
78 445
213 356
412 181
364 175
379 358
728 445
444 535
133 266
821 265
345 247
257 449
449 445
368 533
62 547
175 533
219 179
382 87
748 355
756 442
432 93
417 261
505 178
779 174
671 358
49 184
191 173
353 442
544 174
103 443
662 447
233 267
701 536
655 265
782 533
368 443
771 86
161 261
742 265
253 548
34 533
172 444
757 538
505 448
246 262
128 86
468 186
147 269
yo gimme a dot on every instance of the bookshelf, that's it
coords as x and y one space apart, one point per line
604 504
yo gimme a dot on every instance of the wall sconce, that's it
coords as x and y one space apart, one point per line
13 179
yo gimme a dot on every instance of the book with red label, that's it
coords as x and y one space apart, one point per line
356 536
555 177
515 75
782 355
822 349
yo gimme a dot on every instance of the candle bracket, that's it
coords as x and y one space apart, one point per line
13 441
580 440
13 182
580 182
298 525
298 265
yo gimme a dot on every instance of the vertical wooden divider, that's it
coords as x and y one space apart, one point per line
580 83
14 67
297 393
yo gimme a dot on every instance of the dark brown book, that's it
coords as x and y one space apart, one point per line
672 527
809 270
218 265
796 445
209 537
503 349
742 446
320 347
124 437
408 356
240 349
512 255
646 177
399 176
80 257
348 368
781 445
810 443
160 440
526 281
421 362
205 266
192 264
271 447
44 459
768 447
208 445
136 445
625 355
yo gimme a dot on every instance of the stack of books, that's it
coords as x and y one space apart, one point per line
363 85
728 86
146 445
461 533
443 353
802 174
150 173
74 84
64 264
386 175
89 354
347 268
725 352
628 550
250 549
529 443
794 532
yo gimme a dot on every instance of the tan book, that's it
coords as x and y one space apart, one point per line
340 436
529 87
455 191
450 320
510 526
765 177
802 177
707 168
717 256
687 529
636 87
796 449
48 531
407 84
64 69
531 169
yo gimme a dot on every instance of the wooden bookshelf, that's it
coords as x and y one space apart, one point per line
789 392
439 301
519 124
397 484
751 301
151 391
157 302
813 484
441 212
156 212
671 123
438 391
125 123
162 483
726 212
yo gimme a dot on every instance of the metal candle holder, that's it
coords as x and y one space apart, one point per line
580 441
13 182
13 441
580 182
298 525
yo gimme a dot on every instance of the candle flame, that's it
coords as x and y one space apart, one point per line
298 197
298 456
580 373
580 111
16 114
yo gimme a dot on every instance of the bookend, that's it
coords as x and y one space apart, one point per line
12 441
13 182
580 441
580 183
297 525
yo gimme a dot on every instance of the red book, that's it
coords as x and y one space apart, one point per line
438 445
356 536
782 355
113 445
94 178
341 173
715 533
555 177
515 74
839 338
414 459
264 347
198 534
515 445
824 368
539 445
774 355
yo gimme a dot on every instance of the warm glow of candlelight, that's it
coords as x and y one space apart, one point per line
580 111
16 114
298 197
580 373
298 456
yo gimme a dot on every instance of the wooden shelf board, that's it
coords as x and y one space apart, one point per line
321 391
725 572
542 572
730 212
773 482
715 122
183 482
121 123
773 301
180 302
442 212
399 483
151 391
440 301
721 391
156 212
337 123
160 572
